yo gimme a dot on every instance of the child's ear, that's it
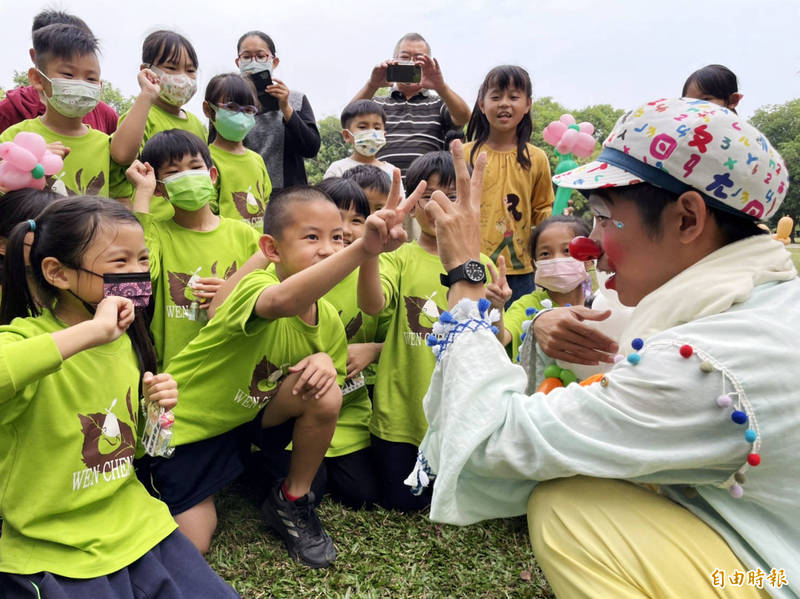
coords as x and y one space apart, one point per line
207 111
346 136
55 273
213 173
269 247
37 81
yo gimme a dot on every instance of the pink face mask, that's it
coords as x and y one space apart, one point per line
560 274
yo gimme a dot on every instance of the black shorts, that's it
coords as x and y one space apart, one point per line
198 470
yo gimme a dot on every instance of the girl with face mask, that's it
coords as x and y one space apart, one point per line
560 279
243 183
285 136
170 61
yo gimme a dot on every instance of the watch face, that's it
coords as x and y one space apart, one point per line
474 271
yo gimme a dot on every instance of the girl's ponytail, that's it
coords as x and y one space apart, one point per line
18 300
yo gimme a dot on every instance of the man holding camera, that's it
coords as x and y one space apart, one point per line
416 119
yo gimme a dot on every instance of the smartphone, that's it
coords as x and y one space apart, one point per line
261 81
404 72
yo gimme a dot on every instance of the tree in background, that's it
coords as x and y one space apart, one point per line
110 94
781 124
332 147
546 110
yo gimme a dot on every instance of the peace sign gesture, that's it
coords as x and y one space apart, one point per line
458 224
384 232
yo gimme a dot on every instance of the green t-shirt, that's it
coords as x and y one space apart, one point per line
86 167
234 366
414 300
516 315
69 498
352 428
243 186
179 255
158 120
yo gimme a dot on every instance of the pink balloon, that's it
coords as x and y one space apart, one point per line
553 132
12 178
21 158
567 119
52 163
33 142
567 141
586 127
584 145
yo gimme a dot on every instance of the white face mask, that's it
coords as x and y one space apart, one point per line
367 143
250 66
175 89
73 98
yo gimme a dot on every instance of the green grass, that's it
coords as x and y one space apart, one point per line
795 252
380 554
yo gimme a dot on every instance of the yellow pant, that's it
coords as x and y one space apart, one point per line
607 538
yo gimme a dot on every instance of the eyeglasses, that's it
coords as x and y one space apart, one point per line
234 107
260 57
406 57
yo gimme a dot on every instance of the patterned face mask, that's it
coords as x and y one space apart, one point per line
135 286
175 89
73 98
369 142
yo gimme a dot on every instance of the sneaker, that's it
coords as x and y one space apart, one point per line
297 524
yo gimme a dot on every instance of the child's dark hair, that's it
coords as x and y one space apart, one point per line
502 78
369 177
433 163
229 87
278 213
171 145
359 107
650 202
715 80
452 135
49 17
267 40
165 46
18 206
64 230
346 194
64 41
579 228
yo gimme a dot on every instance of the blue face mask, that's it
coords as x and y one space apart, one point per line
233 126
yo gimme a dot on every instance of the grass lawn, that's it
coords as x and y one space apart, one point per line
795 251
380 554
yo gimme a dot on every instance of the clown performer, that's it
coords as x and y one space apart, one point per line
676 474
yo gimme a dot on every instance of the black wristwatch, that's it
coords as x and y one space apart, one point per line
471 271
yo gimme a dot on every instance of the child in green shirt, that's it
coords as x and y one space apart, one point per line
243 184
67 75
76 520
404 287
168 59
193 253
266 368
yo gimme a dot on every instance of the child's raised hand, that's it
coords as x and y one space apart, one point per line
161 388
498 291
206 288
59 148
384 228
112 317
318 374
149 83
142 176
